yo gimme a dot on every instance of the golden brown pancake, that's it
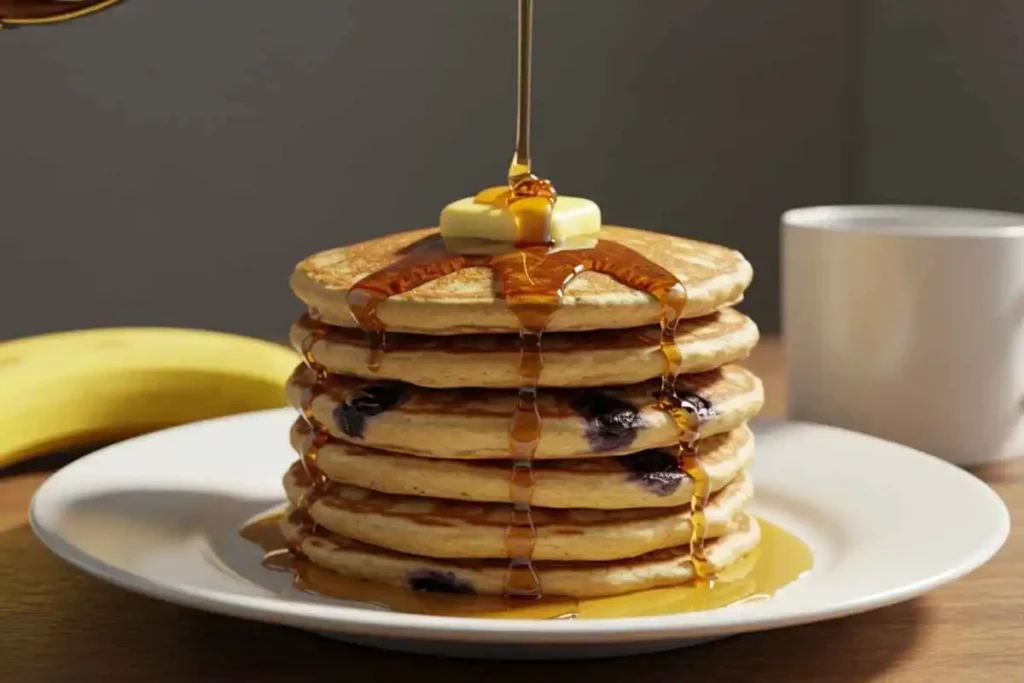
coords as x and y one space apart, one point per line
667 567
648 479
467 301
433 527
473 423
571 359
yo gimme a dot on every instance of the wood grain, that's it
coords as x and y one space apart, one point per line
58 624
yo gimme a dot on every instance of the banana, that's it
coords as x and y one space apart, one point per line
92 386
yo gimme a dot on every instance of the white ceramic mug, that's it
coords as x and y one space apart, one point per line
907 323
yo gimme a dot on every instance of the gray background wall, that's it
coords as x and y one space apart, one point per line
168 162
941 117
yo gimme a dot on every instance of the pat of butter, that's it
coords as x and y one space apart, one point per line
572 219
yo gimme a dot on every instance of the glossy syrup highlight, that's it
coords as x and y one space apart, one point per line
317 436
778 560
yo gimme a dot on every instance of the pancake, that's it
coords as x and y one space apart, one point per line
467 302
473 423
443 528
602 358
667 567
647 479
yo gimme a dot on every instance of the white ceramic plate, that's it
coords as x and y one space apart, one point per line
159 514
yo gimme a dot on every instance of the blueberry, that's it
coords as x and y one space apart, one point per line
656 470
702 407
365 402
434 581
611 423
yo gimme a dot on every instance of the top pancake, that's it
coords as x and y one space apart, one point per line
468 301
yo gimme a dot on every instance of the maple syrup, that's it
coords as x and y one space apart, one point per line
532 278
529 198
35 12
779 559
532 282
317 436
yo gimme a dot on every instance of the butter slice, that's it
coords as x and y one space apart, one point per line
573 219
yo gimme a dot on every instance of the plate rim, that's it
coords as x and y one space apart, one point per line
397 625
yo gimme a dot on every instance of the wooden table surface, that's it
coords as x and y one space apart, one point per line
58 624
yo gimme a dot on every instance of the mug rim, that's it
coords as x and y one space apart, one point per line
906 220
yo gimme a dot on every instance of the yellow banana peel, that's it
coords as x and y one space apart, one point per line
88 387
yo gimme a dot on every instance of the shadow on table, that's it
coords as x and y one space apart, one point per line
858 648
76 621
45 463
998 472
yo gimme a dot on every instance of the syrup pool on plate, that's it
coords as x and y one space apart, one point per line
778 560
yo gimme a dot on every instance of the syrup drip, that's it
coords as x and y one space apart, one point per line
531 201
319 372
416 268
529 198
317 436
524 436
688 425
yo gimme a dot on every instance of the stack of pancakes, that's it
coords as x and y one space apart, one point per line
405 473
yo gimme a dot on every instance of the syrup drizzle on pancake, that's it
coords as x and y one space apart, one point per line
532 279
317 436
